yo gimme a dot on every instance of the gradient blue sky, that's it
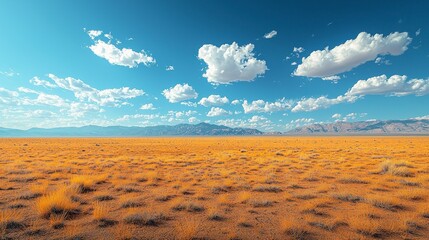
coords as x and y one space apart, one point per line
52 73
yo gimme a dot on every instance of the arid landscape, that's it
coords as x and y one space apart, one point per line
215 188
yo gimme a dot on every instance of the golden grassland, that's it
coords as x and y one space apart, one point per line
215 188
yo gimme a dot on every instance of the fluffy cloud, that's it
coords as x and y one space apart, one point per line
235 102
262 106
365 47
216 112
213 100
84 92
257 122
94 33
79 109
230 63
270 34
148 106
14 98
39 82
395 85
180 92
312 104
256 118
122 57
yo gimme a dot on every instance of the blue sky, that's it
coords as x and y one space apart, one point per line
269 65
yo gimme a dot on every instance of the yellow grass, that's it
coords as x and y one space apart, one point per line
215 188
57 202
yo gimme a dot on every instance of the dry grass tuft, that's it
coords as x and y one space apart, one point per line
295 229
188 206
56 221
100 212
11 219
387 203
396 169
145 219
58 202
273 189
347 197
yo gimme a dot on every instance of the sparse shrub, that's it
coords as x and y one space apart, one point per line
409 183
188 206
413 194
305 196
104 198
348 197
387 204
294 229
131 204
328 225
56 221
352 180
30 196
145 219
82 183
148 177
274 189
164 198
262 203
214 215
397 169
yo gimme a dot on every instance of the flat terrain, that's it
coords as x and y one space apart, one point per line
215 188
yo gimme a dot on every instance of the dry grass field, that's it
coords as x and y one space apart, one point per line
215 188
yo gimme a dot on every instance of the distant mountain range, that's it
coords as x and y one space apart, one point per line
392 127
117 131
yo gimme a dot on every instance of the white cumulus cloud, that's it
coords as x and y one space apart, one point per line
263 106
84 92
213 100
39 82
180 92
395 85
122 57
230 63
148 106
342 58
312 104
94 33
216 112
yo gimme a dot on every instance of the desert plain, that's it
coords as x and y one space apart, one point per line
215 188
